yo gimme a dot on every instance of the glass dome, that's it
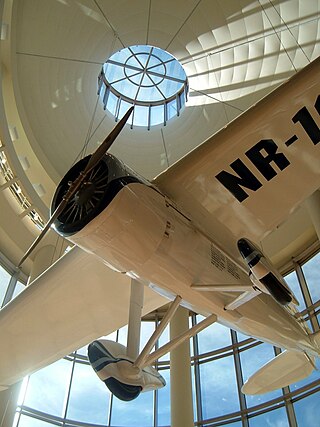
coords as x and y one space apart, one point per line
147 77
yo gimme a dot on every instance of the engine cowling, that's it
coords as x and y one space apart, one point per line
101 185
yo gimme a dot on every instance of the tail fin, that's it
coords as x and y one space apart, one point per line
286 368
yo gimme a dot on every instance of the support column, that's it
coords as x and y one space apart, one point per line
180 374
8 404
135 313
313 206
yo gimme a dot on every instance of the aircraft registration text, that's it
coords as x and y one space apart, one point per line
265 155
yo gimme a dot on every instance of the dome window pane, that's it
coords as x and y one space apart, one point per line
146 77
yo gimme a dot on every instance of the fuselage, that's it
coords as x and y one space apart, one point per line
141 233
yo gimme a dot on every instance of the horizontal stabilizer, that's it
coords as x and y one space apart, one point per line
287 368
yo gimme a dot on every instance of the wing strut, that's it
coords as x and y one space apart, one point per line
242 299
143 356
147 359
125 377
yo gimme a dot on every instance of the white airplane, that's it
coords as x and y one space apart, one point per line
178 238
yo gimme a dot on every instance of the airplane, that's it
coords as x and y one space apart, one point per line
190 236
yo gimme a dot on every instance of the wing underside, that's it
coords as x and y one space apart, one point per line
75 301
250 176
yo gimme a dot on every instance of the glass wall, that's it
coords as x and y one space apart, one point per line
4 283
68 393
12 282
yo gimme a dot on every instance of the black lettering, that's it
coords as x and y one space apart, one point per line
262 162
234 183
291 140
317 104
309 125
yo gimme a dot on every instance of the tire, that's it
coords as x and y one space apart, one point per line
123 391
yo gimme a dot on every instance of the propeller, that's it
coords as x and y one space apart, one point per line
76 184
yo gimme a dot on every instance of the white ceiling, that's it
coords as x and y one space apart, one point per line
234 53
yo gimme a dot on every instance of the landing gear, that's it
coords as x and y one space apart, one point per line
118 372
126 372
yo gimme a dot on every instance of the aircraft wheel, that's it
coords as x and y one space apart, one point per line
125 392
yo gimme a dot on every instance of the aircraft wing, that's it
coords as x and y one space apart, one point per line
246 179
75 301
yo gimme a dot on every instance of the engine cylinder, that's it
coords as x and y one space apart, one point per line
98 189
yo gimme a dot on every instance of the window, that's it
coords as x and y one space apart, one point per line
47 389
277 417
218 387
311 273
4 283
293 282
307 411
89 398
147 77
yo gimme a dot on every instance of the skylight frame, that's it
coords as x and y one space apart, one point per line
147 112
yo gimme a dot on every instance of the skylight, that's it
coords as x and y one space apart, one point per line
147 77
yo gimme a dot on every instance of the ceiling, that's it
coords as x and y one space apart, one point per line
234 53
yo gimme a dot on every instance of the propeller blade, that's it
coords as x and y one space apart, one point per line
104 147
53 217
94 160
